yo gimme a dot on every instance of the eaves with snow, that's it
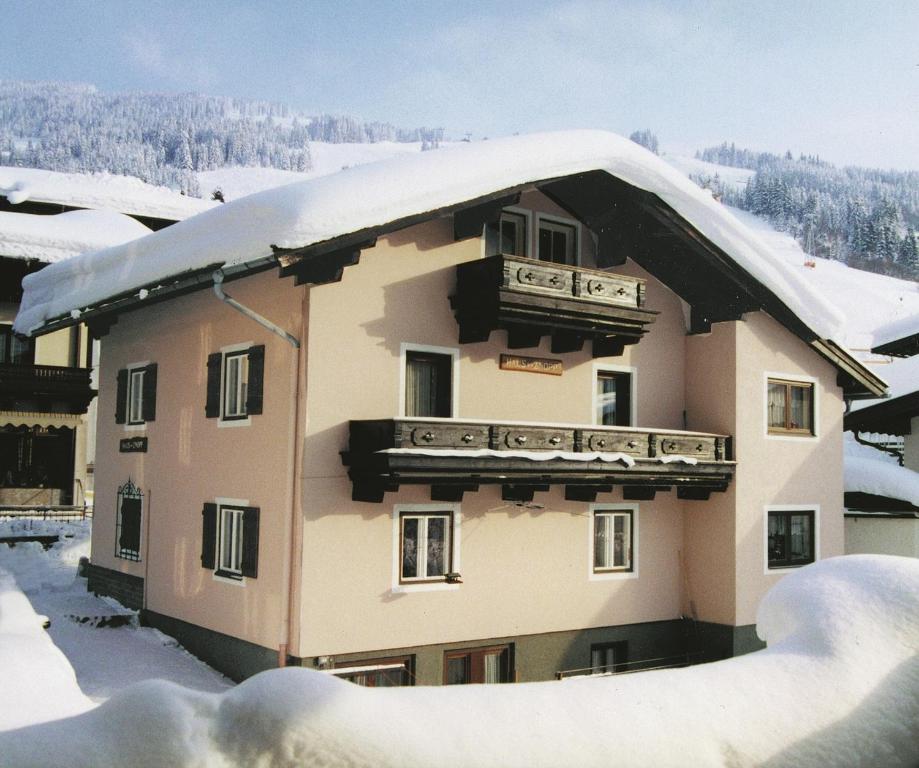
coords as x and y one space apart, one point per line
125 194
622 192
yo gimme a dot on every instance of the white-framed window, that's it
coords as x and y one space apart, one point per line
613 542
136 395
230 539
791 406
557 240
512 233
429 381
614 401
792 536
426 541
235 384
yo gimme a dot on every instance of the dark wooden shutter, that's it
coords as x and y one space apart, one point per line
121 395
149 401
256 380
249 565
208 536
212 407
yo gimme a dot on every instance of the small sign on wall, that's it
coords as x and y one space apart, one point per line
133 445
547 365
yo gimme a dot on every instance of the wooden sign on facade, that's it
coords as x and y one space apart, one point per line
133 445
547 365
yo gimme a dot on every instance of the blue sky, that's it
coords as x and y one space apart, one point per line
840 79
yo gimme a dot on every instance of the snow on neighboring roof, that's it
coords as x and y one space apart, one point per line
837 685
868 470
896 330
64 235
381 193
98 190
902 377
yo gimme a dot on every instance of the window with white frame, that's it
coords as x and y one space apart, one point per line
135 395
613 398
612 540
230 545
790 407
235 383
229 539
557 242
428 383
791 537
425 546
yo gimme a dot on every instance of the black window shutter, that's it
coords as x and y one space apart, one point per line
208 535
250 542
121 402
212 408
149 401
256 380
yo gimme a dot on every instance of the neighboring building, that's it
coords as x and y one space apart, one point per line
46 391
512 408
882 474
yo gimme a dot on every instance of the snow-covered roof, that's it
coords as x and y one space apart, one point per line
98 190
377 194
868 470
61 236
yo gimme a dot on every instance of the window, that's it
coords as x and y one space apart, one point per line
608 657
425 549
790 538
229 541
557 242
512 234
378 673
614 398
15 350
428 384
235 383
128 522
479 665
136 395
612 541
790 407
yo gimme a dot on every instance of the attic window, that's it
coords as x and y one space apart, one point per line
512 239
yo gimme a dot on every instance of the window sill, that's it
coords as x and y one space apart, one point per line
791 436
425 586
787 566
229 578
243 422
613 575
140 427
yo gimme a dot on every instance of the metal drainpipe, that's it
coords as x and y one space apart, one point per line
218 276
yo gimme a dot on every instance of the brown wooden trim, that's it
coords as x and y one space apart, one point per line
789 384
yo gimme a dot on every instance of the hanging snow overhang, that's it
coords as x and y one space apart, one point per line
905 346
858 504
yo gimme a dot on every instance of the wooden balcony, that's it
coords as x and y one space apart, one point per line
454 456
531 299
44 388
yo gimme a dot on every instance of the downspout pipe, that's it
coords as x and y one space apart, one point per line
251 314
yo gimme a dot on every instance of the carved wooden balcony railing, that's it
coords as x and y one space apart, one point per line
454 456
50 388
531 299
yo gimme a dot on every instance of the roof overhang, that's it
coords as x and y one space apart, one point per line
888 417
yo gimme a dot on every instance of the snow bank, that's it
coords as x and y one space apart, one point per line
64 235
37 683
97 190
881 478
838 685
379 193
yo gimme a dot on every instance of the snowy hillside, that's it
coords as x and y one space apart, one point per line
735 178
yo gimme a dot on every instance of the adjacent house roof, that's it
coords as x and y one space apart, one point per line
899 338
50 239
875 481
25 186
607 181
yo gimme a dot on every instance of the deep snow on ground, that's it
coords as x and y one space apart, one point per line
105 659
837 686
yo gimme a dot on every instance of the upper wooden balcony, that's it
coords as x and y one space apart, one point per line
454 456
531 299
44 388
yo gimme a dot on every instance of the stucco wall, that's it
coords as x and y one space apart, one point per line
882 536
192 459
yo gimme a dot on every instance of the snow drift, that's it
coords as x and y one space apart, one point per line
838 685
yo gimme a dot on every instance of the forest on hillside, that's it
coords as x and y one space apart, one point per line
865 217
165 139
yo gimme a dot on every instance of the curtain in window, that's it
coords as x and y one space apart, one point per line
437 546
800 407
777 537
492 667
410 547
601 539
606 399
800 537
777 405
620 541
426 384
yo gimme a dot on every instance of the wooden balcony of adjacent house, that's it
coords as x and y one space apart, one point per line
531 299
455 456
44 388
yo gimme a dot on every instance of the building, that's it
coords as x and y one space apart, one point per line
47 417
495 412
